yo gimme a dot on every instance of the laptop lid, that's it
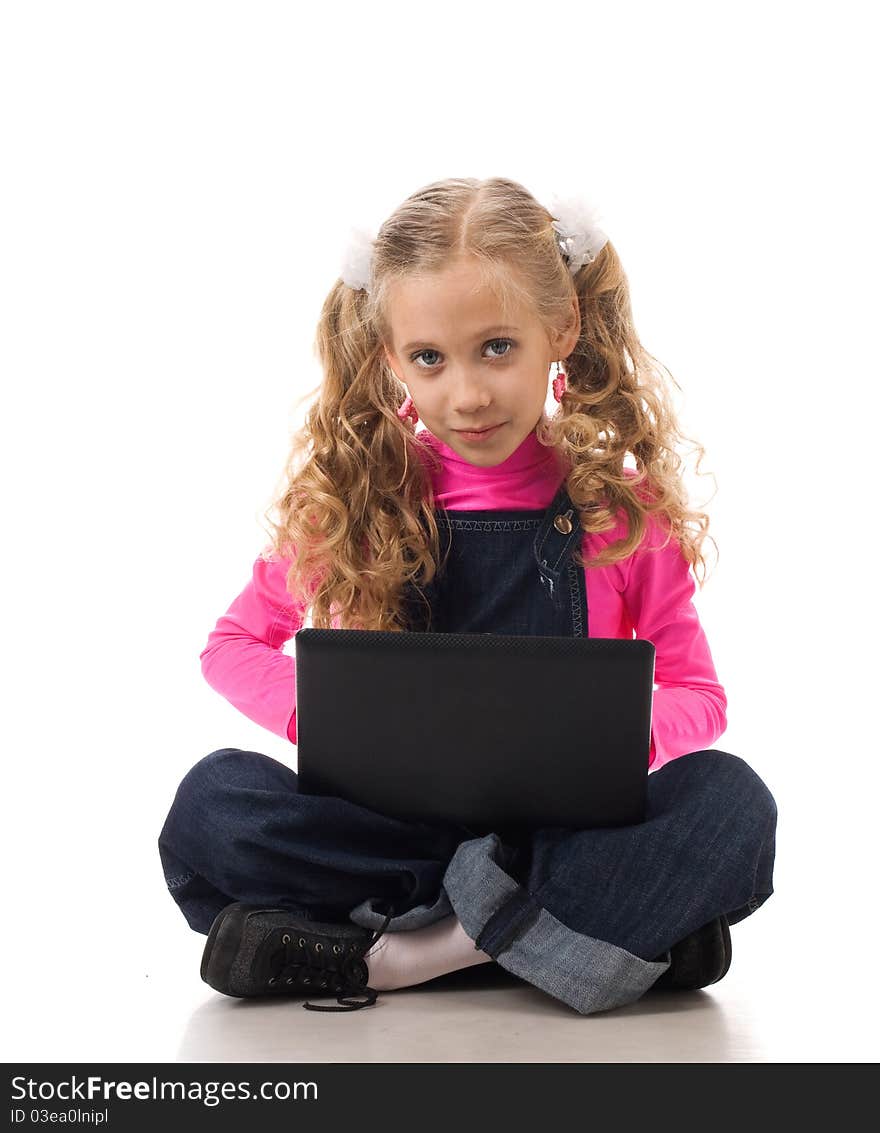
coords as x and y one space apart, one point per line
490 731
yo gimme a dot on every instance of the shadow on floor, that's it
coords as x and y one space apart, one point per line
478 1014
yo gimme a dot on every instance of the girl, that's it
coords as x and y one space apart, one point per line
467 295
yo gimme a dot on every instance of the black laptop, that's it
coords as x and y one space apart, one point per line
489 731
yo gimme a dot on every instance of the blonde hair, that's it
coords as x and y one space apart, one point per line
355 505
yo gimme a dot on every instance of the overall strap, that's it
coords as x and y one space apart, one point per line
559 530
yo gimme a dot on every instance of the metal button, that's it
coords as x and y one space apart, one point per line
563 523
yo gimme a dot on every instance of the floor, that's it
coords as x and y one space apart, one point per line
777 1003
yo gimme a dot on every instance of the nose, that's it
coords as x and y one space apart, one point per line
470 393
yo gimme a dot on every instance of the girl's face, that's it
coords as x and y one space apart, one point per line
464 368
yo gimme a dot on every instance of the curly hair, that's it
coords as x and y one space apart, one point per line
355 504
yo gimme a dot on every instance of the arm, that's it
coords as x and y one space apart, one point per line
243 660
690 705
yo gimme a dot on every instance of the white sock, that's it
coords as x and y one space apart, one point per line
400 959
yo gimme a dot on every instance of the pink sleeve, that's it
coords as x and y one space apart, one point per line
690 705
243 660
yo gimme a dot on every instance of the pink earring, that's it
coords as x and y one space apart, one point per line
407 409
559 382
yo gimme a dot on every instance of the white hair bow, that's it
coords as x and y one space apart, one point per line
581 238
357 263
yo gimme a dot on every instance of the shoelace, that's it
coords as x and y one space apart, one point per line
303 963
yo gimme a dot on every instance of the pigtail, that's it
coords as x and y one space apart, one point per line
618 404
355 515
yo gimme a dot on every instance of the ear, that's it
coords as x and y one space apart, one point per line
391 359
565 341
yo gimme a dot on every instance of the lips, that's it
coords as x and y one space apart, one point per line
485 429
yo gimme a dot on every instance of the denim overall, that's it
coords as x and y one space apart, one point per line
588 916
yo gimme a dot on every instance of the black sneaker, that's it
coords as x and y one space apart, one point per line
252 950
702 958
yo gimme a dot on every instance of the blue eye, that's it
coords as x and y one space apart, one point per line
492 342
419 354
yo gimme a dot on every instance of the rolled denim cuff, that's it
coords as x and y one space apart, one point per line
507 922
367 916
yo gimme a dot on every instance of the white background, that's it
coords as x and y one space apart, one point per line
178 182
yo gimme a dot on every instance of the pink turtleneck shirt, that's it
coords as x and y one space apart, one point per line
649 596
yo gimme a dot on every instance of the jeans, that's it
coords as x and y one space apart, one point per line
588 916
